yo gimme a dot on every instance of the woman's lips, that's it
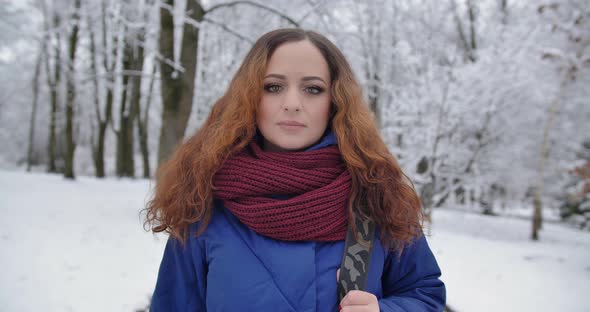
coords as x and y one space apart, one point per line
291 125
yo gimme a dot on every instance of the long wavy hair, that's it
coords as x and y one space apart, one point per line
184 183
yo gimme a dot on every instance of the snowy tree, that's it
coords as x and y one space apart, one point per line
471 96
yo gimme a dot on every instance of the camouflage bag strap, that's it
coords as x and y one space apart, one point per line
357 257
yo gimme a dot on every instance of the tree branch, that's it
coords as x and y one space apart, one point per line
229 30
313 9
461 32
254 4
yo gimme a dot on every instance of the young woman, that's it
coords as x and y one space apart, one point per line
258 201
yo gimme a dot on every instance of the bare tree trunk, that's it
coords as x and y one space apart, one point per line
53 83
143 116
102 130
374 97
472 19
97 145
71 95
129 113
537 221
470 44
133 110
426 164
142 126
34 106
537 214
372 65
177 87
125 118
104 121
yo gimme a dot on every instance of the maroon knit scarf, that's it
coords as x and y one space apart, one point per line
315 183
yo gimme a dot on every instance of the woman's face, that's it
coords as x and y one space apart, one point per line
295 106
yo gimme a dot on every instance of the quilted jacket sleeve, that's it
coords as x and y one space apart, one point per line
182 277
411 282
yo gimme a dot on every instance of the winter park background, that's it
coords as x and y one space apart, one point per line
485 103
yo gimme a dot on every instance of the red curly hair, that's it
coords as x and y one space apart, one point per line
184 183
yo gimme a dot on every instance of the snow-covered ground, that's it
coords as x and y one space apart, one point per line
74 246
80 246
489 264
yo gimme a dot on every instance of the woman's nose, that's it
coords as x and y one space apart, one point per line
292 101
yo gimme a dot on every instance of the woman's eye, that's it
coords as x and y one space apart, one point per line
314 90
272 88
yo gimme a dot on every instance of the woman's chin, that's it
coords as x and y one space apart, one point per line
288 146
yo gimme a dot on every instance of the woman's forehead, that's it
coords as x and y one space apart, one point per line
298 59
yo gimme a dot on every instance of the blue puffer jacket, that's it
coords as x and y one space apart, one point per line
231 268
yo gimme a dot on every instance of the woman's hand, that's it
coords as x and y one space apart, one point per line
358 301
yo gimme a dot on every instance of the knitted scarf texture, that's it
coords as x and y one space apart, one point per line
290 196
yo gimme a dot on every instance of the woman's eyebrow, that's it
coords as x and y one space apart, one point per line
306 78
283 77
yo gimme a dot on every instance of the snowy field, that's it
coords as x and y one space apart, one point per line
80 246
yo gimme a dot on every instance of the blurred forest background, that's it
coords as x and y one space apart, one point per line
485 103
